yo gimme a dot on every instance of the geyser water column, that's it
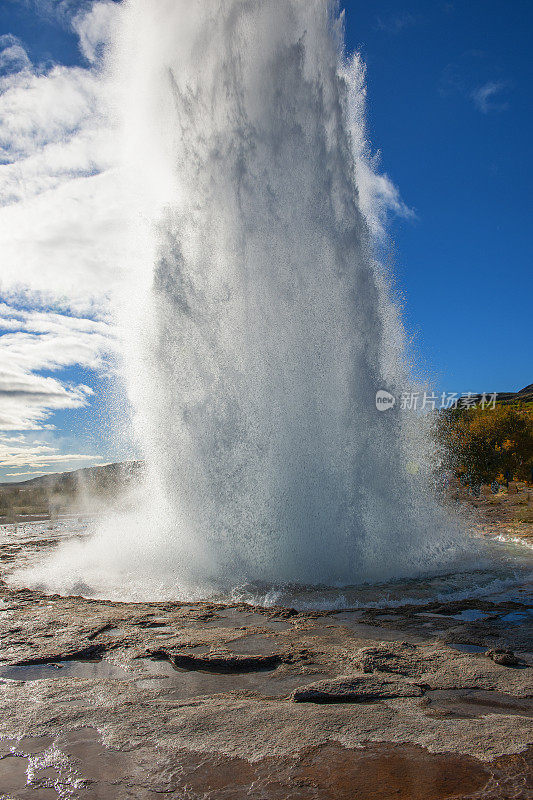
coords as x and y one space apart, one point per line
258 327
256 403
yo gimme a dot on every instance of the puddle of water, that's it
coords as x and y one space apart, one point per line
13 773
332 772
471 615
230 618
516 618
374 632
476 703
403 772
48 769
256 644
94 761
328 772
184 684
466 648
66 669
33 745
34 792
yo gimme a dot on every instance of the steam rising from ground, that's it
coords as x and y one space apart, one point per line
259 327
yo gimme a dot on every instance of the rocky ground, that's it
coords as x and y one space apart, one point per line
106 701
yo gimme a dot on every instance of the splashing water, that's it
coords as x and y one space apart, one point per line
259 327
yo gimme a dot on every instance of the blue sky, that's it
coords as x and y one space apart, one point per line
449 109
449 101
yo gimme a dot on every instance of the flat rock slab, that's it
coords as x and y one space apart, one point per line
352 689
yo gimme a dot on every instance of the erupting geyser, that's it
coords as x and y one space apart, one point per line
259 327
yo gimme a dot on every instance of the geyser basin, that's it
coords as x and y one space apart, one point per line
257 326
506 575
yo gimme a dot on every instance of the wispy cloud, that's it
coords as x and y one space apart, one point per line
34 342
468 77
63 237
58 11
29 456
486 97
94 27
13 56
396 23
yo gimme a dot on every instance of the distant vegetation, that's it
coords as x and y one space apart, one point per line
83 490
486 445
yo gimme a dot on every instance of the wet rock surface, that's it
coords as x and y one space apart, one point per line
322 772
204 701
116 700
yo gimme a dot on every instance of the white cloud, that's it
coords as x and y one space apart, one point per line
26 401
62 212
29 457
61 11
64 243
484 97
62 235
39 109
467 76
36 342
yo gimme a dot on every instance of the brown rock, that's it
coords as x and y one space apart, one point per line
350 689
504 657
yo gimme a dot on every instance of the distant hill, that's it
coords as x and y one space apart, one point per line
81 489
93 476
522 399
